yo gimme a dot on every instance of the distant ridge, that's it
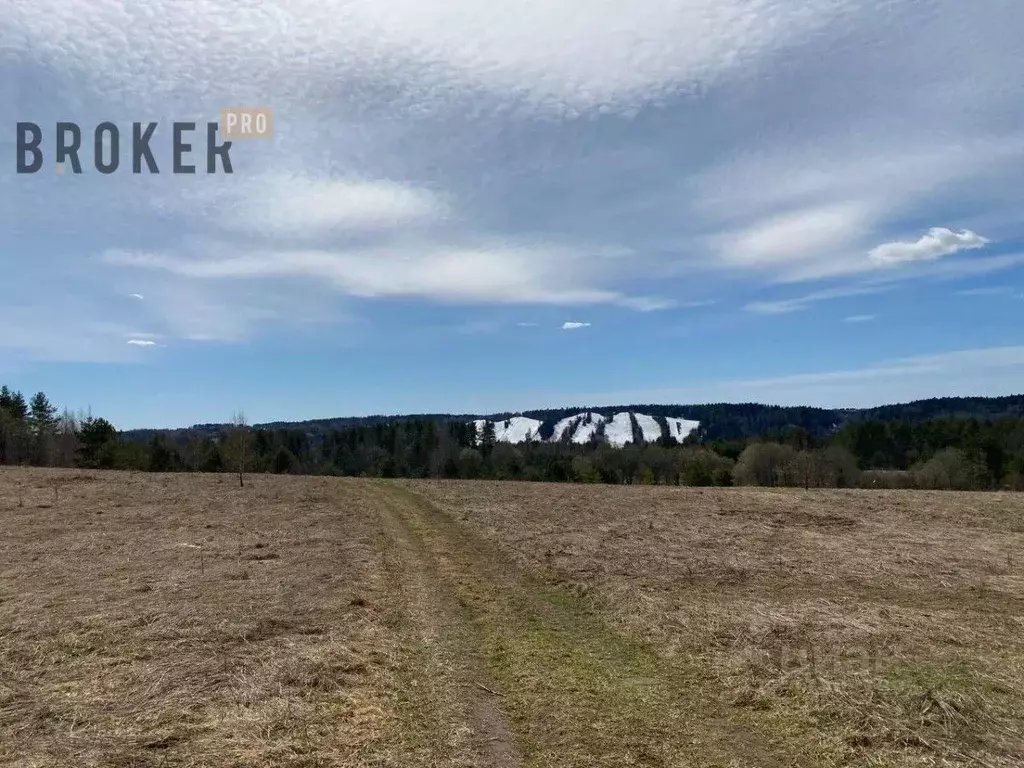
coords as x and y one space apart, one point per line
727 421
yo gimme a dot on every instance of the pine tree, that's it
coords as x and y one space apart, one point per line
42 422
487 438
18 407
13 435
42 414
97 443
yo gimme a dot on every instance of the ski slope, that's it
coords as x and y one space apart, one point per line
580 428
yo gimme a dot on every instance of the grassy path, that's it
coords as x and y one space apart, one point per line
562 689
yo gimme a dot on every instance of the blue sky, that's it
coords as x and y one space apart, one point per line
477 207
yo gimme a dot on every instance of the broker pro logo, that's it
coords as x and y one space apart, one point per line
106 143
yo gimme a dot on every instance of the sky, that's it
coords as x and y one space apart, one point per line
476 207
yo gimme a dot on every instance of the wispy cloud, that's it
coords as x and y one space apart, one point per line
550 56
572 325
938 242
982 371
141 342
995 290
294 206
474 327
858 319
783 306
444 151
138 296
503 273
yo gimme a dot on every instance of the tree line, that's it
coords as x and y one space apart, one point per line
956 452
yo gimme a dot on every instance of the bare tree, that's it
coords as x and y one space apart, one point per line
238 444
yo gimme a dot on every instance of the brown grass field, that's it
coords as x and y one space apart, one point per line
179 620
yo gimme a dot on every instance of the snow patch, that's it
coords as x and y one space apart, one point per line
581 428
679 427
649 426
517 429
619 430
585 431
568 423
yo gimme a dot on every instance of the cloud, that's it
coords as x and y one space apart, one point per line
138 296
859 319
645 303
453 151
141 343
527 325
938 242
474 327
490 272
794 236
796 211
615 56
995 290
987 371
572 326
300 206
784 306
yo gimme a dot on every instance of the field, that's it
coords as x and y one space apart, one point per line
179 620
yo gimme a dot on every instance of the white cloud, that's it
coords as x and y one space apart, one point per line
938 242
806 234
572 326
527 325
498 273
858 319
990 371
776 143
995 290
141 343
138 296
293 205
800 211
645 303
784 306
616 54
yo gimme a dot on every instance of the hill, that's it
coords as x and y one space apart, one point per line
623 424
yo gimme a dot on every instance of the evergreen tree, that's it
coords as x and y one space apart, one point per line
487 438
97 443
284 461
18 407
41 423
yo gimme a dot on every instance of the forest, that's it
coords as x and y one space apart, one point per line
975 444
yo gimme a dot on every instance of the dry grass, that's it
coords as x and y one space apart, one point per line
158 620
179 620
862 627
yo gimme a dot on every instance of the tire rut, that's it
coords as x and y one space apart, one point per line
578 693
447 636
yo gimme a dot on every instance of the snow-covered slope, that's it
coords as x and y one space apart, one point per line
586 428
580 428
513 430
649 426
680 428
620 429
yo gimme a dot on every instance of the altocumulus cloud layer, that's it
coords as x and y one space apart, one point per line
640 155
